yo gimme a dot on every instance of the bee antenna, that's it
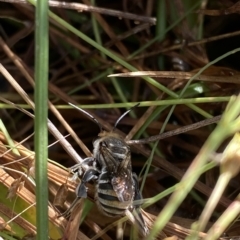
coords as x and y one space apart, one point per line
123 115
88 114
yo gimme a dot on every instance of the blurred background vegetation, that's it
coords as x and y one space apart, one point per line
86 44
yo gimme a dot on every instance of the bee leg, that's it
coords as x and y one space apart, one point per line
137 208
89 162
68 211
137 194
81 190
86 163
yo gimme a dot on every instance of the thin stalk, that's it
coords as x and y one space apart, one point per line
161 28
165 103
40 121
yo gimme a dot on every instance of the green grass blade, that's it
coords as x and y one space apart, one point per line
41 110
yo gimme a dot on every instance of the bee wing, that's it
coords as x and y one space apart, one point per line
122 180
120 171
107 158
123 185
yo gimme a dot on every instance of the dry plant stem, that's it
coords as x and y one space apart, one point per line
21 173
10 142
3 223
71 41
21 34
189 44
96 229
231 213
213 12
114 224
18 144
173 228
16 86
30 228
212 202
82 7
71 230
108 30
12 219
127 34
176 131
120 37
139 123
229 168
182 75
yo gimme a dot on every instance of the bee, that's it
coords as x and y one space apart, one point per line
111 168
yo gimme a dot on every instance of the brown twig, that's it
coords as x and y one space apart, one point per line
82 7
184 44
176 131
182 75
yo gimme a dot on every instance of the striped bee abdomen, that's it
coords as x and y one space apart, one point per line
107 199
